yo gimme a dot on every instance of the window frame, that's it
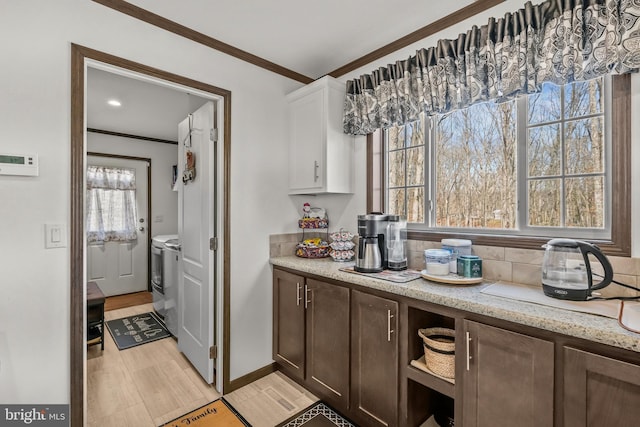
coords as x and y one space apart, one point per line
620 197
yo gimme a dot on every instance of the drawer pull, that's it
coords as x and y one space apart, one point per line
389 330
468 344
298 296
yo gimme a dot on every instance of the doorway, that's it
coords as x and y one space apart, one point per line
83 57
118 247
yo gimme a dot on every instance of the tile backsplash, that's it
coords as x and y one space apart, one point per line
498 263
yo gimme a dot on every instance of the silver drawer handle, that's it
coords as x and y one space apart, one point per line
389 330
306 296
468 343
298 297
316 165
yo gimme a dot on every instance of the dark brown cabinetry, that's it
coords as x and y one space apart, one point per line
327 355
289 323
507 378
374 362
599 391
311 335
341 341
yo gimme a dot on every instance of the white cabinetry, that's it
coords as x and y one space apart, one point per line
320 154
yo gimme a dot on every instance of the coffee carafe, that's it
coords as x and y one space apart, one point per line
397 242
371 256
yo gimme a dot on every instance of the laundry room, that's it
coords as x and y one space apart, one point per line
133 245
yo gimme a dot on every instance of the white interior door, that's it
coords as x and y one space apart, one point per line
122 267
196 226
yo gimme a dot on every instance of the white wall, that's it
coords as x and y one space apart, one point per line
35 118
164 201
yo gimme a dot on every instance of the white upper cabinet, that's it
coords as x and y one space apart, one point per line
320 154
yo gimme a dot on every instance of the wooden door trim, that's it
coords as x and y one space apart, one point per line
79 54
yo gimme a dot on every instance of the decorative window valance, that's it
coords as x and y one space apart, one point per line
557 41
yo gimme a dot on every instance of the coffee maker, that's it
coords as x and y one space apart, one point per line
371 256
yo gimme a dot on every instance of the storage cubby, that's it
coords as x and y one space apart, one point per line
427 393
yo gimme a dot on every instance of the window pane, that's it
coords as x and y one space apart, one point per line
415 135
544 150
396 169
396 201
475 153
584 98
395 137
545 106
415 204
584 146
544 202
415 166
585 202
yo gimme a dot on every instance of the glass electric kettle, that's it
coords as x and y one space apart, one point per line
567 272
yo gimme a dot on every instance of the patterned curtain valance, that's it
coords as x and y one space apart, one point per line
557 41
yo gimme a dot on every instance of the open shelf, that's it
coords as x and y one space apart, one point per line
441 385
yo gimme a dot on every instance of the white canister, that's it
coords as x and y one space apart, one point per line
456 247
437 261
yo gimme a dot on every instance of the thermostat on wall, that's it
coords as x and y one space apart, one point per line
19 164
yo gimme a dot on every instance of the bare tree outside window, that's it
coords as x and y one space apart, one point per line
485 168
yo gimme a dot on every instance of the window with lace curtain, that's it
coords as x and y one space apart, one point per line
111 204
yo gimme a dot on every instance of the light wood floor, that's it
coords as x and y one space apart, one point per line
153 383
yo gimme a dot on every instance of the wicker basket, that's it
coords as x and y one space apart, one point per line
439 350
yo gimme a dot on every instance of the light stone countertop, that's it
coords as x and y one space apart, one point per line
469 298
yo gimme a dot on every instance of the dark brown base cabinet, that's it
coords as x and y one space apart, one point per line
507 378
599 391
288 323
374 360
353 349
311 335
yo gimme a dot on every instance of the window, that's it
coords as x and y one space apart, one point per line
539 166
111 204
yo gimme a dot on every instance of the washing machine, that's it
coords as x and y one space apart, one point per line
157 271
171 263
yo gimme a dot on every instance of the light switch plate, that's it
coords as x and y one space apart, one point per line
55 236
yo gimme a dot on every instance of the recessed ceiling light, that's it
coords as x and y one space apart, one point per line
114 103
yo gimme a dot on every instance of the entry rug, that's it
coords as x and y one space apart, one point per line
392 276
218 413
135 330
317 415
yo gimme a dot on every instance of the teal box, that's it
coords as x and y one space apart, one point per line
469 266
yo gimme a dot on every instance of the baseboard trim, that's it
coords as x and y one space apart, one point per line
251 377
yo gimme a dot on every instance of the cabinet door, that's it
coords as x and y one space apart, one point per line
307 136
374 360
508 378
328 341
599 391
288 322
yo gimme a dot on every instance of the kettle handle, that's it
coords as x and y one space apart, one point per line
588 248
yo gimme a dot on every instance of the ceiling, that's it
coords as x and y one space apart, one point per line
312 38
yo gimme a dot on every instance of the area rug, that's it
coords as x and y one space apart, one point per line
136 330
317 415
218 413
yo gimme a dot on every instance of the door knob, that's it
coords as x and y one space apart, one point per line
141 228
